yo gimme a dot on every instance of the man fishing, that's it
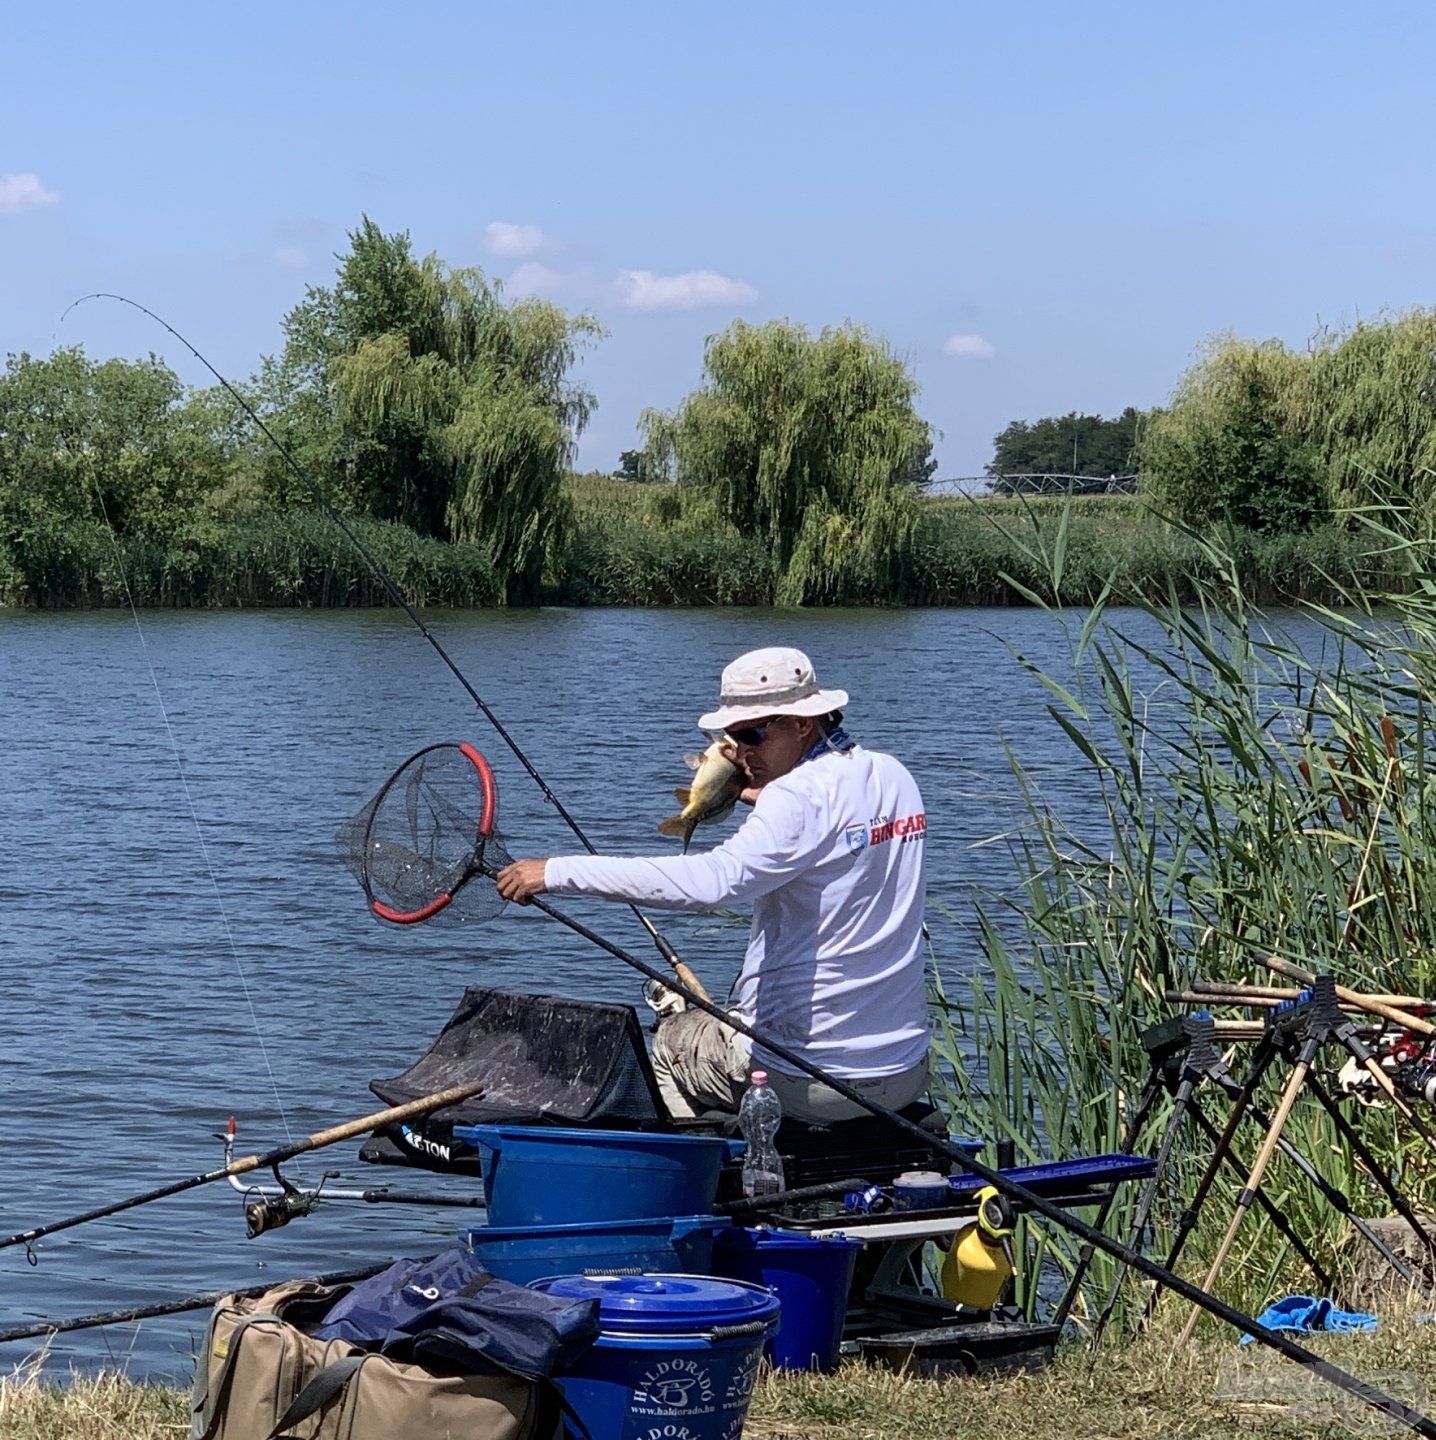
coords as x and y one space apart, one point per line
832 859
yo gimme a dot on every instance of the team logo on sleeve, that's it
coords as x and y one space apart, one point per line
857 838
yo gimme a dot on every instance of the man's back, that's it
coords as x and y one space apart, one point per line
834 966
831 859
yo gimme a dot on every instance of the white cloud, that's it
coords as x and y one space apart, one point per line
24 192
969 347
292 257
513 241
692 290
631 289
534 278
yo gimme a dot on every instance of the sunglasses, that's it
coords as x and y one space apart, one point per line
751 735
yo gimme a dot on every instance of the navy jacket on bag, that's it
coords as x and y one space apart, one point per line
448 1313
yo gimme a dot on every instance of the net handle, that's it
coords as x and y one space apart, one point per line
488 812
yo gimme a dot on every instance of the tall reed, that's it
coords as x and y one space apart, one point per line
1258 796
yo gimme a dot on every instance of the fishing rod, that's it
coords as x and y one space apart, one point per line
269 1207
661 943
47 1328
270 1159
1274 1339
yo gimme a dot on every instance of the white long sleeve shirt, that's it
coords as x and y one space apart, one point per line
832 858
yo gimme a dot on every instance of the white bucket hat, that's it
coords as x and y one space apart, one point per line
776 681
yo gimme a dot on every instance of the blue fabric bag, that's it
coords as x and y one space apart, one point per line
449 1314
1307 1314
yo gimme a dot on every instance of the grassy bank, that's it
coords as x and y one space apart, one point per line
628 544
1213 1391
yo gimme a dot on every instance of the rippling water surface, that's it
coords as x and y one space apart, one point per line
165 966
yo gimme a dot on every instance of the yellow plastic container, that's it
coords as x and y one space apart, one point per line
979 1262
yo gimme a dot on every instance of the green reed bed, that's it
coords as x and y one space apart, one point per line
620 543
632 544
294 559
1250 805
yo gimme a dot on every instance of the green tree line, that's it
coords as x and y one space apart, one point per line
1065 445
417 394
426 404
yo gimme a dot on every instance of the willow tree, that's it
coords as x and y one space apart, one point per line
1231 446
452 411
1369 411
1272 436
813 445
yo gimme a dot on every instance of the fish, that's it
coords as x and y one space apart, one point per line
717 781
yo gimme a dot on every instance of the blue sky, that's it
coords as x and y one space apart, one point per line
1042 206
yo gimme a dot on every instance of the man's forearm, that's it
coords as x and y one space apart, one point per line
689 882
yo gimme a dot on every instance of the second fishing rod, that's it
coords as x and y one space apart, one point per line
660 941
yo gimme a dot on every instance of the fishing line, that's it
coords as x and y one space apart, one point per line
194 814
391 589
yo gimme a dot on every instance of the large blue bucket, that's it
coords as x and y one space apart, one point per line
676 1358
811 1276
532 1252
539 1176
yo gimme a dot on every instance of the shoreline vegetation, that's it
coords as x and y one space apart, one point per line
630 545
441 419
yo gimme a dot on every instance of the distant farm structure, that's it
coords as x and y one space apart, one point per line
1035 484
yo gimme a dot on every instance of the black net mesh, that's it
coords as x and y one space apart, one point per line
420 838
547 1060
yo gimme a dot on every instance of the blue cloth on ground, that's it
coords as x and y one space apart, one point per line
1306 1314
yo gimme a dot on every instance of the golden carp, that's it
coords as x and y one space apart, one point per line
717 781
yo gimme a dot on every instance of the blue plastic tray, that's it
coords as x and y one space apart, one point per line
1064 1175
543 1175
668 1245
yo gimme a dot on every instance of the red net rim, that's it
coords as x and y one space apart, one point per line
488 810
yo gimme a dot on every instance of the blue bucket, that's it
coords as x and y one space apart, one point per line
531 1252
676 1357
810 1275
534 1175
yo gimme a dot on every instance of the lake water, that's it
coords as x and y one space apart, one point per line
165 969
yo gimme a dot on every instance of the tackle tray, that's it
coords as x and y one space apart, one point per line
967 1348
1064 1175
1068 1183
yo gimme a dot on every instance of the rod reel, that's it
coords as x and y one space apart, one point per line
272 1212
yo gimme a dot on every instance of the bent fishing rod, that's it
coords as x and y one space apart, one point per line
269 1160
1204 1299
660 941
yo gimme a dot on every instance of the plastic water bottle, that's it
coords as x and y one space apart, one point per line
759 1116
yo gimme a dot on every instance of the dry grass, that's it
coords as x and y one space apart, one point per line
1125 1392
88 1407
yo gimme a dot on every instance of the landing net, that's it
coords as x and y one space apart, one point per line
420 846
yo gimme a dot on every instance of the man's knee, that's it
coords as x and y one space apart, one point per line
702 1058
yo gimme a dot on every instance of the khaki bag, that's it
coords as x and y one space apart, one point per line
261 1377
